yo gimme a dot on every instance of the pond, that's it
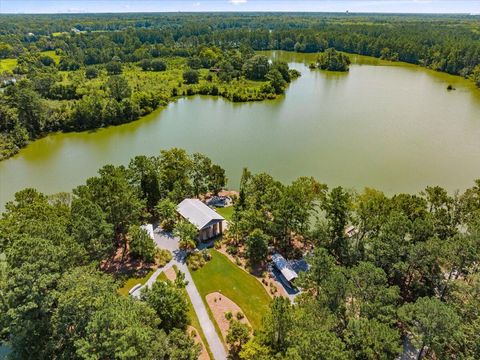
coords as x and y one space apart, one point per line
390 126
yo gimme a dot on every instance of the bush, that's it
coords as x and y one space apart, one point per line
206 255
196 261
228 315
240 315
162 257
191 76
232 250
91 72
237 261
114 68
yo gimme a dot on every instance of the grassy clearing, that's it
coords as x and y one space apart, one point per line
7 64
131 282
221 275
226 212
53 55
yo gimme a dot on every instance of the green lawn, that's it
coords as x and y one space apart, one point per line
226 212
131 282
7 64
220 274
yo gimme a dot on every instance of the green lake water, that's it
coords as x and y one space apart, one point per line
386 125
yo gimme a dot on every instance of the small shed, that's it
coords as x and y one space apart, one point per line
208 222
282 265
149 229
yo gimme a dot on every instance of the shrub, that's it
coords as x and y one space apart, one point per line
240 315
232 250
196 260
91 72
228 315
191 76
162 257
206 255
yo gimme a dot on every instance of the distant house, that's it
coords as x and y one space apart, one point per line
8 81
282 265
75 31
208 222
149 229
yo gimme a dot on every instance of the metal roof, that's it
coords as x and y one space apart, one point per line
198 213
284 267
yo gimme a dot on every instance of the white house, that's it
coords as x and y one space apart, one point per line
208 222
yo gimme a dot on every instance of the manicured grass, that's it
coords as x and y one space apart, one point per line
226 212
131 282
162 277
221 275
7 64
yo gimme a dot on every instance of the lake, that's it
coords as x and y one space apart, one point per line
390 126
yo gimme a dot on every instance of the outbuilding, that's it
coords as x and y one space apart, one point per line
208 222
282 265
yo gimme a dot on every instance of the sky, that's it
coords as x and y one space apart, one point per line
92 6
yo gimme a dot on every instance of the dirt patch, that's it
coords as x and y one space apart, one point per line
230 193
220 304
198 340
170 274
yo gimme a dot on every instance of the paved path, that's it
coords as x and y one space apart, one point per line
166 241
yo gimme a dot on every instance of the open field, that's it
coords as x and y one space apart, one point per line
7 64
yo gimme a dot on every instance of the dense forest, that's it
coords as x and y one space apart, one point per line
77 72
408 271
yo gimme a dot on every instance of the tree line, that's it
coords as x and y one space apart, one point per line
80 94
94 81
448 43
382 269
57 298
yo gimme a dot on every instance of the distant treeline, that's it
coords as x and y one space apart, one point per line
449 43
78 72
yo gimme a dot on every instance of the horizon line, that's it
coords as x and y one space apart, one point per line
239 12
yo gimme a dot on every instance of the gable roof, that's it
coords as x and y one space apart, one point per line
284 267
198 213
